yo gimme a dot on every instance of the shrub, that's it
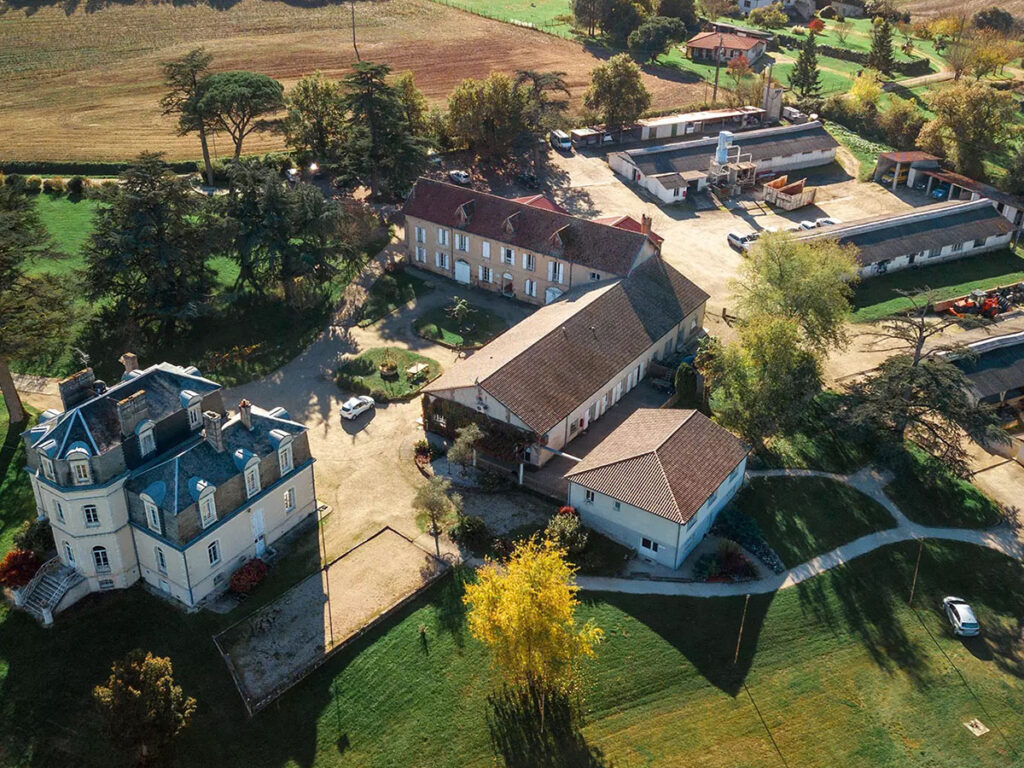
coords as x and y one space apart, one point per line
422 447
53 186
567 510
34 535
33 184
743 529
471 532
18 567
706 567
816 25
248 577
389 288
15 181
77 185
568 532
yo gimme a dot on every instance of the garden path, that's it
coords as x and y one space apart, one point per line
869 481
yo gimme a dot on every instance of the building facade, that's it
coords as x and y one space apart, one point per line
148 479
704 46
531 251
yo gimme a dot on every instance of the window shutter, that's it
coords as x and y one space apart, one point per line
551 270
486 250
480 273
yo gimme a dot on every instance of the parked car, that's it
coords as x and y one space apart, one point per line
356 405
740 241
808 224
460 177
941 192
888 177
560 140
826 221
961 617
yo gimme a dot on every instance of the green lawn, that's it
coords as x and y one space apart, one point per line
389 293
549 15
876 297
820 442
480 327
865 150
801 517
17 503
839 671
69 224
930 496
362 374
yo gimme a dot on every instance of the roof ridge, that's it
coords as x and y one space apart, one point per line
675 429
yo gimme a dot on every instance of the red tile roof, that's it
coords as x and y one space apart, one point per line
526 226
664 460
909 156
710 40
629 223
540 201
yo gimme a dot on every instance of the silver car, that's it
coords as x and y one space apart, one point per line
961 617
356 405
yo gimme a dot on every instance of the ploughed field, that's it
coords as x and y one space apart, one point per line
86 84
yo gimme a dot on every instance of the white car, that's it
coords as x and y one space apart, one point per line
460 177
354 406
961 617
826 221
740 241
806 224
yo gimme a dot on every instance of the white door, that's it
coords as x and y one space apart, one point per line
258 532
462 271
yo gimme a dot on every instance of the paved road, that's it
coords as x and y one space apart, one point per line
868 481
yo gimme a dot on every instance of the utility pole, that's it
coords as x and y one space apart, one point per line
718 66
354 46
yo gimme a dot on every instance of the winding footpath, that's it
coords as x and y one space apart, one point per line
868 481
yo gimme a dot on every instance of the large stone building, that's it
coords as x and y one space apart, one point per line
149 479
527 248
546 379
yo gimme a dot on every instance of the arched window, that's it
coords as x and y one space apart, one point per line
78 458
147 441
100 559
208 506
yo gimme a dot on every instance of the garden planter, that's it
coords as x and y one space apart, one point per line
388 371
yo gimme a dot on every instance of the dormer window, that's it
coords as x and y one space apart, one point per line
285 458
510 223
153 516
252 478
193 404
78 459
147 440
208 508
195 416
47 464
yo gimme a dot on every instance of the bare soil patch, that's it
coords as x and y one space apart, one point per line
87 86
278 645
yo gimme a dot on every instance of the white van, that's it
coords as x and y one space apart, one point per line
560 140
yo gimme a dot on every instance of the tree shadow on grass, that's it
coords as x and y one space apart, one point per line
449 610
528 733
704 630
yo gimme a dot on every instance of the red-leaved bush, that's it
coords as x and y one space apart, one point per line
248 577
18 567
816 26
567 510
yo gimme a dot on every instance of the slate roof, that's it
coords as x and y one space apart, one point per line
95 422
534 228
761 144
995 371
710 40
549 363
664 460
178 475
886 237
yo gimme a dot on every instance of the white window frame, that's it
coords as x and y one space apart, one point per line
421 254
147 441
161 560
207 509
47 464
529 262
285 459
100 554
195 417
91 515
485 274
485 249
530 288
59 509
555 271
957 247
289 499
462 242
153 517
508 256
443 238
252 480
588 496
69 554
441 259
81 473
421 234
213 552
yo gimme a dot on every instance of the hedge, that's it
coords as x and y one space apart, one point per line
75 168
919 66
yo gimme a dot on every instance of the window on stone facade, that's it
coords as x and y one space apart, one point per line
530 288
252 479
92 516
529 262
208 509
289 499
958 247
80 472
59 509
595 276
195 418
152 516
161 561
47 465
589 497
485 274
69 554
485 249
555 271
421 235
100 559
441 260
421 254
213 552
284 458
649 544
508 256
442 236
462 242
147 442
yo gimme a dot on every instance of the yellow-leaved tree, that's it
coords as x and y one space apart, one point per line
524 610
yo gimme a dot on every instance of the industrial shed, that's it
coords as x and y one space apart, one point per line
671 172
926 235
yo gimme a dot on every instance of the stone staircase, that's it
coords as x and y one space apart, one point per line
48 586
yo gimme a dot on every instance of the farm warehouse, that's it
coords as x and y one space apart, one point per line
925 236
672 171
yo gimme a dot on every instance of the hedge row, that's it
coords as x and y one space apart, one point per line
76 168
919 66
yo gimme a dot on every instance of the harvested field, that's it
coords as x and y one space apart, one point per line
87 85
277 645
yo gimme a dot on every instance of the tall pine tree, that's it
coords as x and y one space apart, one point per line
881 56
805 78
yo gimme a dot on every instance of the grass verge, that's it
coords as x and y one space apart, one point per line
877 297
480 327
362 374
802 517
